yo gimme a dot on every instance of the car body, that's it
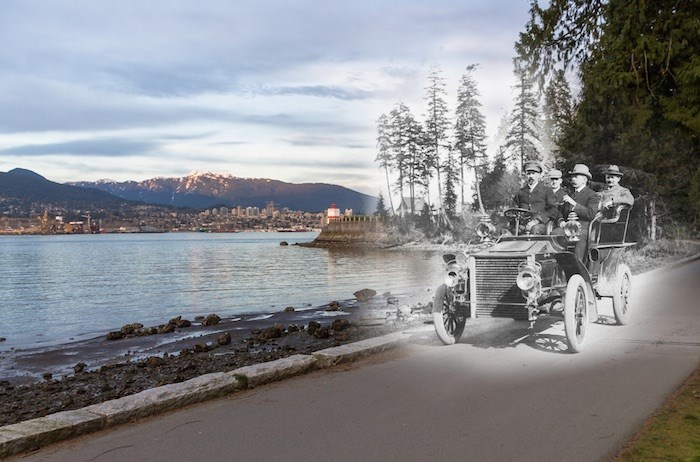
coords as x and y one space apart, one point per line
525 276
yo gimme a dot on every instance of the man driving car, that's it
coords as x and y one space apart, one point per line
536 197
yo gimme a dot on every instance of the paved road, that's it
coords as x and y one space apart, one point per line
502 394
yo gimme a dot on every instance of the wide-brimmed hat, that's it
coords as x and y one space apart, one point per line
614 170
581 169
532 165
554 173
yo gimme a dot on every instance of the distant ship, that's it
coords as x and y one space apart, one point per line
294 230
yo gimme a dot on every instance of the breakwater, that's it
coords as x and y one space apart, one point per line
357 231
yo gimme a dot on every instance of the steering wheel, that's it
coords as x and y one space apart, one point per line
518 214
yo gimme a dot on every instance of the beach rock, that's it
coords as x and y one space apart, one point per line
183 323
200 347
115 335
275 331
211 320
154 361
322 332
284 243
150 331
80 367
129 329
198 318
166 329
404 310
364 294
47 375
2 339
333 306
293 328
224 339
340 324
313 327
289 309
174 321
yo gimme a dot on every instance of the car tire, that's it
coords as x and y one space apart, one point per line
623 289
448 325
576 312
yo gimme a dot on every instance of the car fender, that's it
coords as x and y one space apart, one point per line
608 273
572 265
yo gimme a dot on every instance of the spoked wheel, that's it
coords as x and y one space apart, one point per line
576 312
449 325
623 290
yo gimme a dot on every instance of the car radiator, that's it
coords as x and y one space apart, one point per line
497 296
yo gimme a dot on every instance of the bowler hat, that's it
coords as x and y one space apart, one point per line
554 173
614 170
532 165
581 169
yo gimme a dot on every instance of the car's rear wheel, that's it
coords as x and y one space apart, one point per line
623 290
576 312
449 325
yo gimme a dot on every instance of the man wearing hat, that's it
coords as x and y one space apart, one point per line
536 197
614 194
584 202
555 181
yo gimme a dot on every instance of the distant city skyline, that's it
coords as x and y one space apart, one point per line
256 89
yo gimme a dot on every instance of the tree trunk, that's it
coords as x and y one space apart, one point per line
652 220
388 190
478 195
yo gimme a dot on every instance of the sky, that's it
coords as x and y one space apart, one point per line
289 90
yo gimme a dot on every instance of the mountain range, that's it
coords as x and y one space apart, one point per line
203 190
24 192
21 189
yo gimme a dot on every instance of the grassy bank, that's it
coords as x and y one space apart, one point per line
673 432
659 253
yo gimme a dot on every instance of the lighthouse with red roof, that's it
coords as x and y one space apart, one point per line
333 214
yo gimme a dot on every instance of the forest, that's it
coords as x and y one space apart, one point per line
637 66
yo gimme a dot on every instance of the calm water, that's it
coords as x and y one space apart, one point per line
57 288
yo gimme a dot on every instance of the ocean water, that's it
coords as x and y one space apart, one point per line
56 289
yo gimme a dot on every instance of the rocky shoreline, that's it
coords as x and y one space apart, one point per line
136 358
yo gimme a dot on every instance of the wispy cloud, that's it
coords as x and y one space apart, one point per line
94 147
207 82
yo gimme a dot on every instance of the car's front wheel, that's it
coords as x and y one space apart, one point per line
449 324
576 312
623 289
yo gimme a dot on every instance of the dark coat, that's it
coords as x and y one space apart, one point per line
587 204
541 201
559 199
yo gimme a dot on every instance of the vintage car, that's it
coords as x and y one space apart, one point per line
525 276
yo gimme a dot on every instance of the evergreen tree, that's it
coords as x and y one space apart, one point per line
522 133
470 132
558 110
406 141
639 105
384 153
491 179
381 208
436 123
451 178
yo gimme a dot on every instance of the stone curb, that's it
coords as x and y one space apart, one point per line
36 433
353 351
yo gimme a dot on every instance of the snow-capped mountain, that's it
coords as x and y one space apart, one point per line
203 190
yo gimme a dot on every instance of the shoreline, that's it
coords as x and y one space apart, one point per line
39 382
